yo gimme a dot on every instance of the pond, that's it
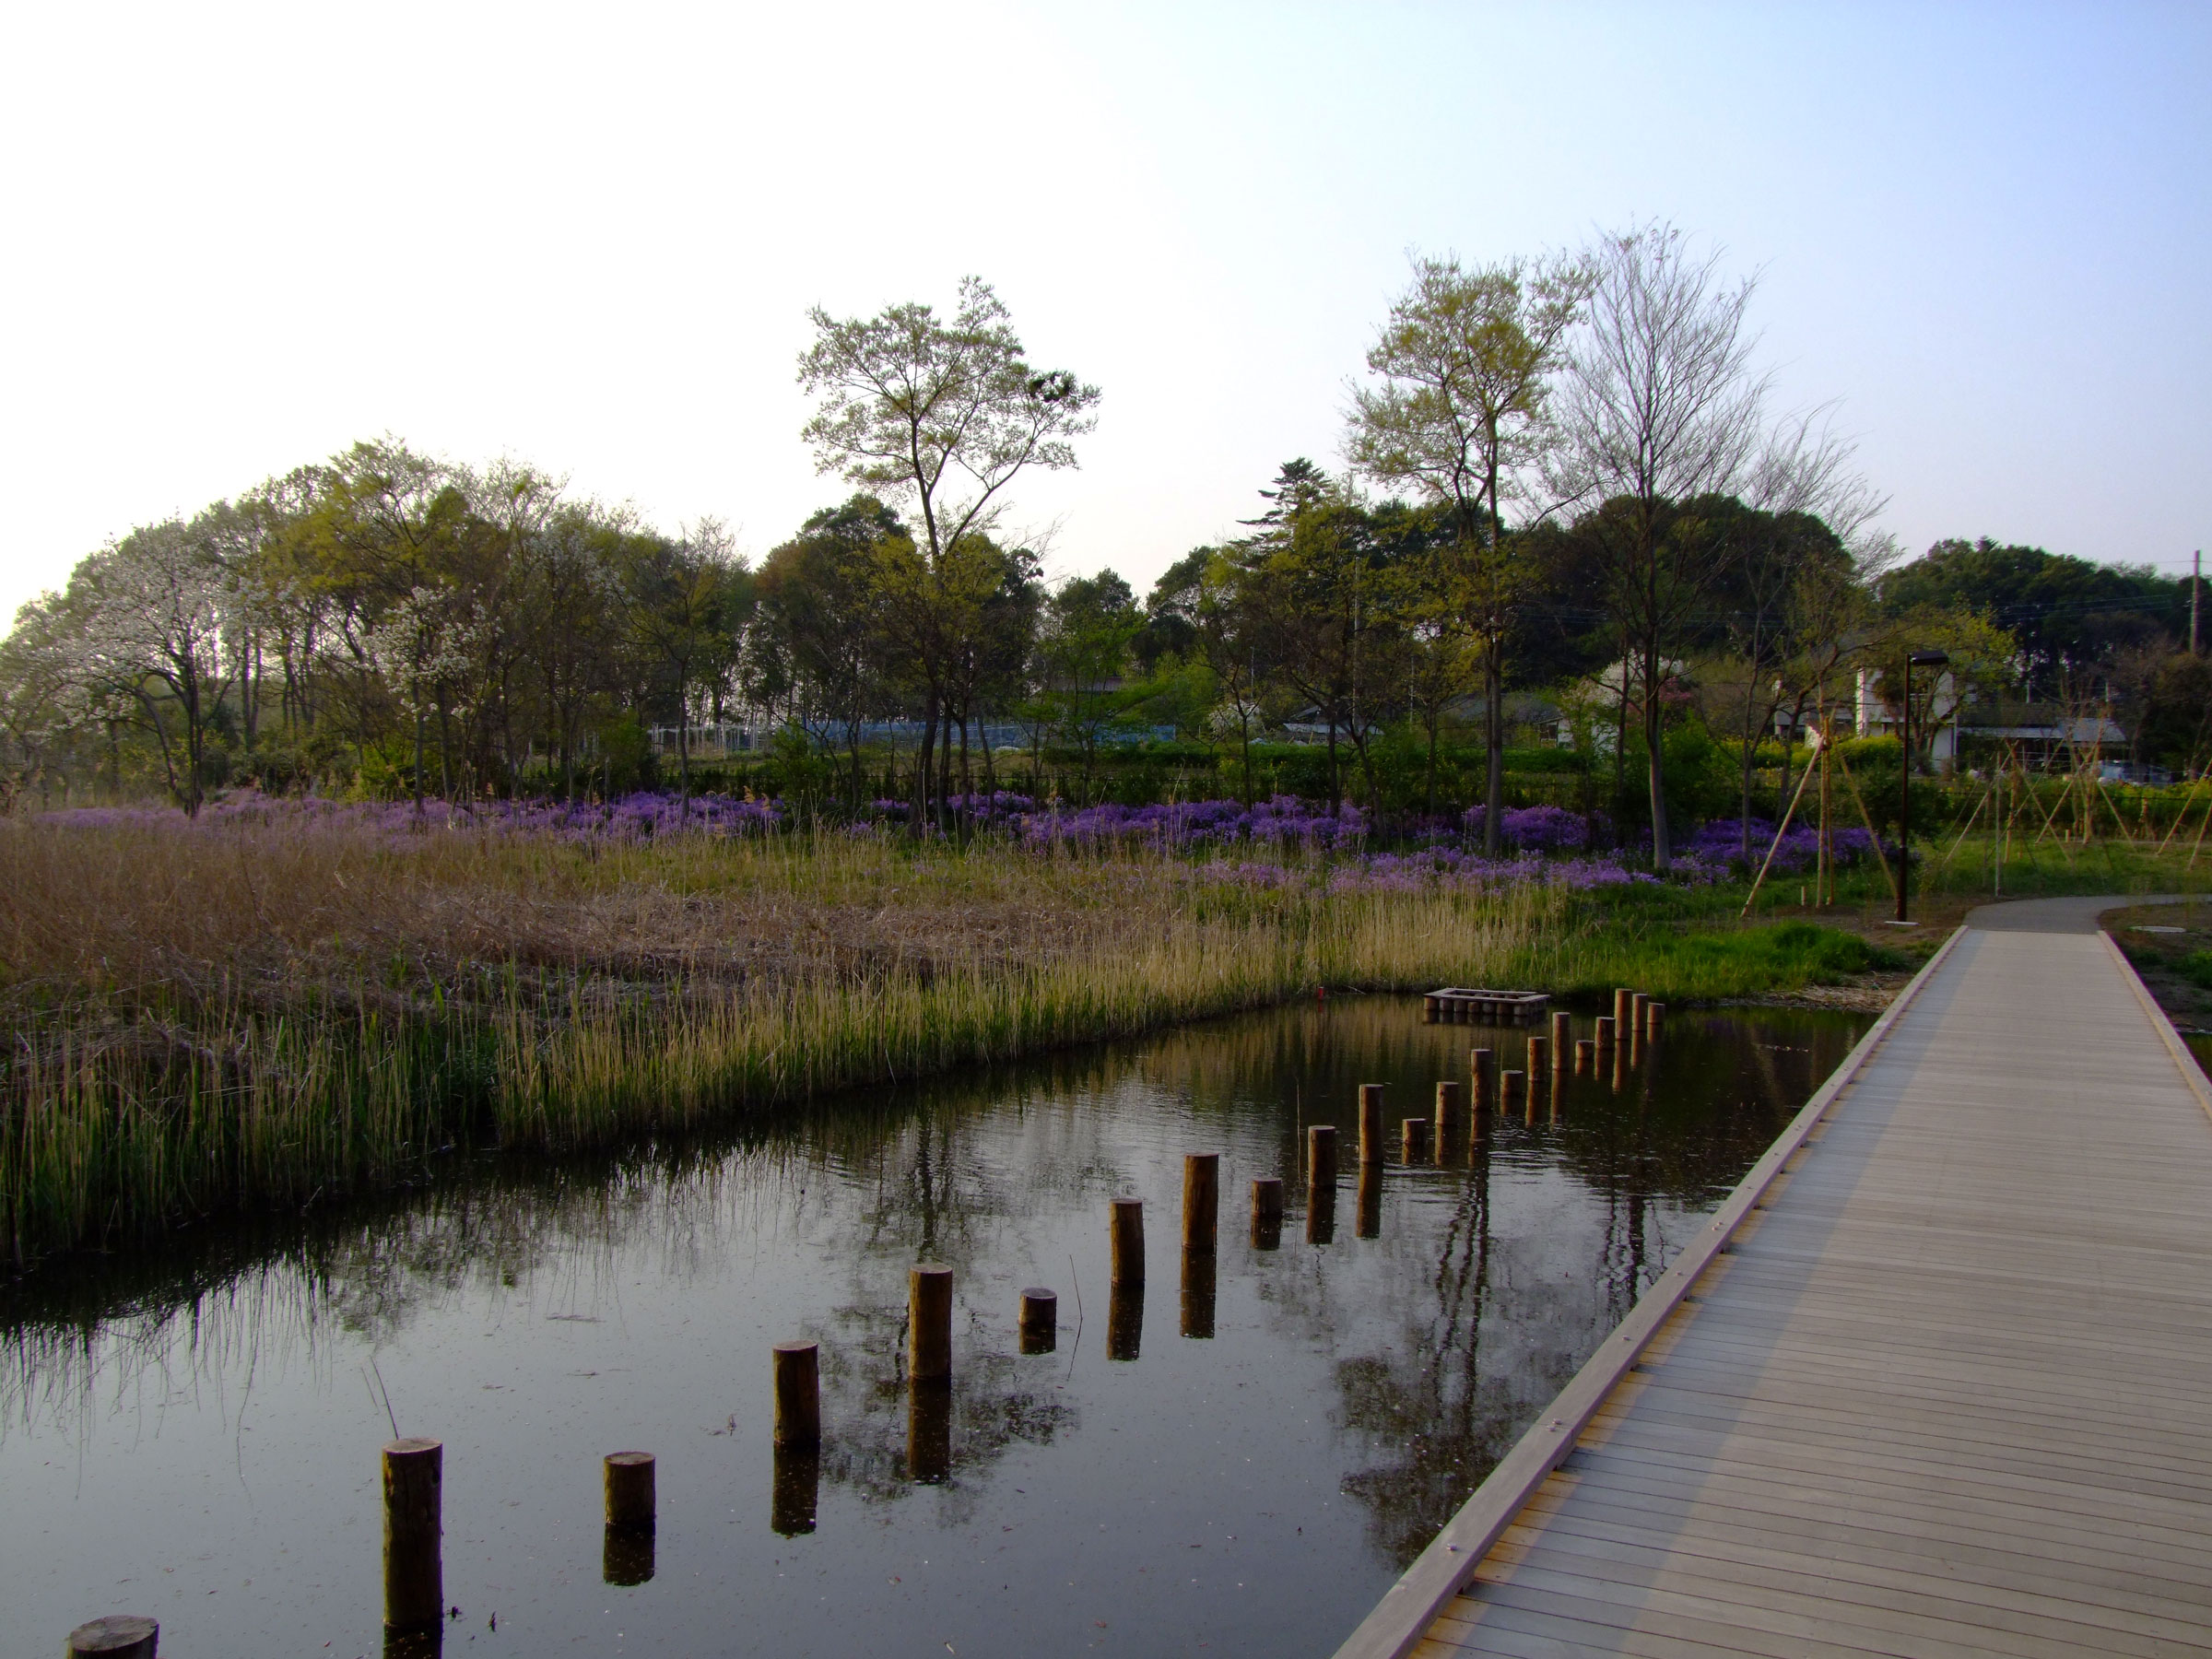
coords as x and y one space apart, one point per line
192 1433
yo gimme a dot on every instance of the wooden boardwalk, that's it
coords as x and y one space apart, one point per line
1938 1381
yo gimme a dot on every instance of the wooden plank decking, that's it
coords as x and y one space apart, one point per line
1941 1384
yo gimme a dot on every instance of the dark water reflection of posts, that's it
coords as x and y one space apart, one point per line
1255 1488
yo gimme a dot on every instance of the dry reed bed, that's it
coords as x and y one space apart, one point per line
202 1019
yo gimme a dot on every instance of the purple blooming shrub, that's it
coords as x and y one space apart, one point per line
1534 829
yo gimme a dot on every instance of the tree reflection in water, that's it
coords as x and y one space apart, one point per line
1463 1294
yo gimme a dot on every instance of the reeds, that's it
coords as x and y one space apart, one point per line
258 1017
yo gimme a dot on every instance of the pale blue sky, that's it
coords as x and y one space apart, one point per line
239 239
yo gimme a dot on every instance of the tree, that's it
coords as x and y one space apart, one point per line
159 608
1462 414
943 416
1090 623
688 600
1660 406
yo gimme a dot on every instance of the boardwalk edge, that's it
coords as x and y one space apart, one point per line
1409 1607
2191 1073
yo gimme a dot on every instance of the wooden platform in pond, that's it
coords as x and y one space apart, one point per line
1937 1379
1456 1004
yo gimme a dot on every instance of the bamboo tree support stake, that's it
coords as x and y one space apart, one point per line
1201 1199
1126 1234
1867 817
1783 829
414 1531
118 1636
2181 817
798 1394
929 1322
1970 820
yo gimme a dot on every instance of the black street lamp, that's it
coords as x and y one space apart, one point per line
1918 659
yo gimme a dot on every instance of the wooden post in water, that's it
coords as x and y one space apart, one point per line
1321 1156
1040 1324
118 1636
1201 1199
1586 1056
1604 1025
1126 1234
1539 1057
1562 1035
629 1486
1624 1004
414 1528
798 1394
1512 1086
929 1322
1451 1108
1370 1123
1429 1009
1483 1063
1416 1135
1266 1212
1652 1015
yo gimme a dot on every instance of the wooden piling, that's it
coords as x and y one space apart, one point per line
1512 1086
1126 1234
1652 1016
1321 1156
630 1484
414 1530
1415 1132
1585 1057
1604 1025
1624 1002
1562 1036
118 1636
798 1394
1429 1009
929 1322
1539 1057
1482 1065
1370 1123
1201 1199
1451 1112
1639 1009
1040 1323
1266 1202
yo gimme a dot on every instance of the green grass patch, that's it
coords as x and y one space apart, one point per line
1704 966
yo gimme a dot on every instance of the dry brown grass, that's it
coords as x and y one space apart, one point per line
251 1014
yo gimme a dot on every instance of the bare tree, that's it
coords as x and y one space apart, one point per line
1661 406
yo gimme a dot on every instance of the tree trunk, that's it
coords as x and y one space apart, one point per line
1493 787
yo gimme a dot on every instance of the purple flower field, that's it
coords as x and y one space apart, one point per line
1277 837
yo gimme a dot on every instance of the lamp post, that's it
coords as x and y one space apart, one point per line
1918 659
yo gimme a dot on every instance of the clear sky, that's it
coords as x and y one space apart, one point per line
237 239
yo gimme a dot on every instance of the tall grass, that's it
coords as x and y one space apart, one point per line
263 1016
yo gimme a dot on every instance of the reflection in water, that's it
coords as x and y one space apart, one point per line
414 1645
1198 1293
522 1299
1126 1320
929 1430
794 1491
625 1554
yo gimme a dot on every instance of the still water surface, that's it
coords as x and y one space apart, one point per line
195 1436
